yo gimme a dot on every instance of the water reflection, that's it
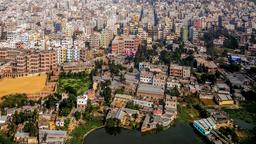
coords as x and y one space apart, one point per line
180 133
113 131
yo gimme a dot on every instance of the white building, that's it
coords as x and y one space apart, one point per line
143 103
81 101
60 123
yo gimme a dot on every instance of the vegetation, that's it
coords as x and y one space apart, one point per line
230 42
51 101
31 128
131 105
173 91
159 127
202 78
27 117
112 123
77 115
247 112
202 111
120 90
66 105
17 100
167 56
106 92
90 123
115 68
75 83
5 140
112 126
189 61
79 132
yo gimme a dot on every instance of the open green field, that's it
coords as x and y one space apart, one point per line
77 83
187 114
79 132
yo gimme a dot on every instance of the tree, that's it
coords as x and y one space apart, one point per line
165 57
30 128
77 115
159 127
50 102
230 42
131 105
112 123
234 67
173 91
5 140
202 111
17 100
106 93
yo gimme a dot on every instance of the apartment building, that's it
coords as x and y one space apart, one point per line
180 71
125 45
81 101
24 61
95 41
159 80
172 82
146 77
5 68
105 38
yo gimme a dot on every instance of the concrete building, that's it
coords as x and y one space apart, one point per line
34 61
52 136
81 101
159 80
150 92
146 77
179 71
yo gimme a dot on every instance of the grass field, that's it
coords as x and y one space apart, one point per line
28 85
79 132
79 83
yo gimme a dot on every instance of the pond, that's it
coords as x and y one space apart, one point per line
180 133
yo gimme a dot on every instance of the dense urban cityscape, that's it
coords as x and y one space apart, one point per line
99 71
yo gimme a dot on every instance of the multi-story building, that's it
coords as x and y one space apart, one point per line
105 37
172 82
159 80
73 54
125 45
179 71
95 41
146 77
81 101
5 69
61 54
34 61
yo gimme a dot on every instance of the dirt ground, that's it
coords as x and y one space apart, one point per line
28 85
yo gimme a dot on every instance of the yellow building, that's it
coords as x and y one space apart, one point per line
223 99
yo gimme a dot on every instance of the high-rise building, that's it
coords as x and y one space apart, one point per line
193 33
95 41
105 38
184 33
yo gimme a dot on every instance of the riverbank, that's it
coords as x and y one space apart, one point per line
92 131
80 132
